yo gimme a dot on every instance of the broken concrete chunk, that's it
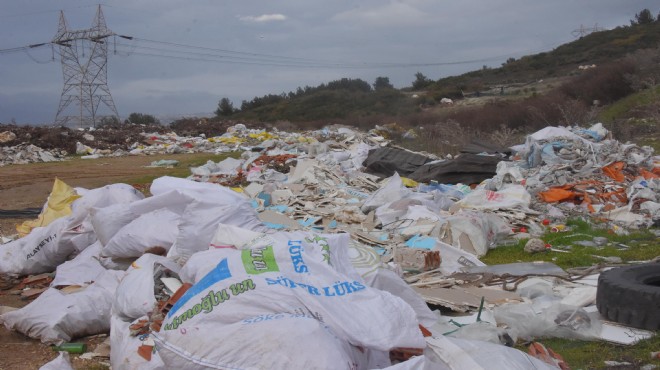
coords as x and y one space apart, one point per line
417 259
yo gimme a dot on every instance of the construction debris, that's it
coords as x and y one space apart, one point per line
333 240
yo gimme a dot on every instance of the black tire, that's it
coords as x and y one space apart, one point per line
631 295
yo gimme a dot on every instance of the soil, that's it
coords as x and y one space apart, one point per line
28 186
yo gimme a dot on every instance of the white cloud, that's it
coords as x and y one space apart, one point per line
263 18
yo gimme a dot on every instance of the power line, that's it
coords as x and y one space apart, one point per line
173 51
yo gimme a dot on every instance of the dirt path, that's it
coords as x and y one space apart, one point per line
28 186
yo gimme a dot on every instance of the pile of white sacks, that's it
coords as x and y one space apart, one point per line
259 298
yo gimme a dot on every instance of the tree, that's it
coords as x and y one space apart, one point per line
225 108
643 17
421 81
142 119
382 83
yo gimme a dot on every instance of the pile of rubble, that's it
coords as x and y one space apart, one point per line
335 245
28 153
117 141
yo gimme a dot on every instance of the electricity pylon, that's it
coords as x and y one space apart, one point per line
84 56
583 31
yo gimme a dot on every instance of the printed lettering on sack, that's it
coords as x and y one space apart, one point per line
40 245
259 260
340 288
278 316
295 250
210 301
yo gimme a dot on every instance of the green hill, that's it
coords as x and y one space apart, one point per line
618 87
353 98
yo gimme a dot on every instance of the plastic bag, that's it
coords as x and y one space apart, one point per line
548 319
510 196
391 191
58 205
479 355
455 259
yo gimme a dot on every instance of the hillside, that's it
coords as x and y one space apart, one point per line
608 76
594 49
353 98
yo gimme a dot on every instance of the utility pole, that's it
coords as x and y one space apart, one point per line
84 56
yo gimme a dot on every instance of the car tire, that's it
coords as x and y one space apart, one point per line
630 295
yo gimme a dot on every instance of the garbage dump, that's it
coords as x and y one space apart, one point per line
331 249
28 153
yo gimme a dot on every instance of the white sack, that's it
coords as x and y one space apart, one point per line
475 232
123 348
83 270
102 197
283 274
368 264
200 220
216 193
61 362
108 220
157 228
55 317
80 232
135 294
273 341
232 236
36 252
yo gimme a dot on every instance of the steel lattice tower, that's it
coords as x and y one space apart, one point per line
84 56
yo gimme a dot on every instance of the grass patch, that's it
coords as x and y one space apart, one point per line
653 142
622 107
592 355
641 245
184 166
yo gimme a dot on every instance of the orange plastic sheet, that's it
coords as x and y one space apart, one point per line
559 194
648 175
615 171
587 192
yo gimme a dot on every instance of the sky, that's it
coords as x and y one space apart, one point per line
187 55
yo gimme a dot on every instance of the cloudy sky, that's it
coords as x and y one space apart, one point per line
187 55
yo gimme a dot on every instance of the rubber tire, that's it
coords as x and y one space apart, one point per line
630 295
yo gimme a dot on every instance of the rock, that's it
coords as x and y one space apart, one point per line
535 245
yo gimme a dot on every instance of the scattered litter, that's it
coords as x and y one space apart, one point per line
319 239
168 163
